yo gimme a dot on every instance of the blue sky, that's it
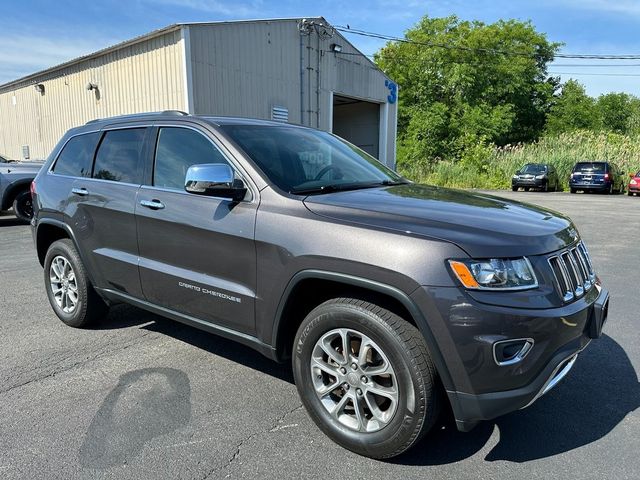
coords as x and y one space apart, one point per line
37 34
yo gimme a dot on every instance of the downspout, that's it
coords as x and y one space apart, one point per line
301 80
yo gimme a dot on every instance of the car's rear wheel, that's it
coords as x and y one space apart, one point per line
515 189
70 293
573 190
23 206
365 376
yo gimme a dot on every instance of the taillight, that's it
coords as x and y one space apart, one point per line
606 176
32 188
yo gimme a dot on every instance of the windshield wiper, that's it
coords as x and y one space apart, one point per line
337 187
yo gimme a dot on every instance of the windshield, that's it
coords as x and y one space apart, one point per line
590 167
534 168
306 161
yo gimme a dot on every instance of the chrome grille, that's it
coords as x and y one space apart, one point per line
573 272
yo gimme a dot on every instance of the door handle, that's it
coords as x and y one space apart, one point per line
80 191
152 204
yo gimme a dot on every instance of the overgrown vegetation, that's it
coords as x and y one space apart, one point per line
476 103
492 167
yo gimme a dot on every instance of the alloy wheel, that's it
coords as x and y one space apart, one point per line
62 280
354 380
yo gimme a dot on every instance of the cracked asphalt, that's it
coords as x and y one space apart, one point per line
143 397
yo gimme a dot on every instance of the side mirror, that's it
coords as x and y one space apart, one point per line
214 180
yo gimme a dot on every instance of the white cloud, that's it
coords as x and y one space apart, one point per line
234 9
21 54
624 7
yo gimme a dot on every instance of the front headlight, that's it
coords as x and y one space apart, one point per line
495 274
515 176
633 182
540 177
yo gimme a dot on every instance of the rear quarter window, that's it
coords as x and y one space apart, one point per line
76 156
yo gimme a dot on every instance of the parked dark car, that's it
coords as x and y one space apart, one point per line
536 175
634 184
15 179
603 177
392 300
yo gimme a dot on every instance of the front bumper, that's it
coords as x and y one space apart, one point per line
529 183
466 331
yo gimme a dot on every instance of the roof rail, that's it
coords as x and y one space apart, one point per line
138 115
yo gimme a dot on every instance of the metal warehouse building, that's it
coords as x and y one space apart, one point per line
295 70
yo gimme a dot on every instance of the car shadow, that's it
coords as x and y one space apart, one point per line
597 395
11 221
125 316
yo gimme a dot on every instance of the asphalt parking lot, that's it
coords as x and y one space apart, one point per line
143 397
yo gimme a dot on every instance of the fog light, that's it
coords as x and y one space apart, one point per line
510 352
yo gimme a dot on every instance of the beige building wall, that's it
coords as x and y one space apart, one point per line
247 68
146 75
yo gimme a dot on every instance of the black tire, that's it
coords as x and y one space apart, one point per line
526 189
89 307
573 190
610 191
514 189
418 390
545 188
23 206
629 193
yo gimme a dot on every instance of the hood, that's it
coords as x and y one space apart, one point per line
482 225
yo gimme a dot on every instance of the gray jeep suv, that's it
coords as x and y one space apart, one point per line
393 301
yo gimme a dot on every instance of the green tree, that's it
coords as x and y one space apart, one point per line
614 112
572 110
467 83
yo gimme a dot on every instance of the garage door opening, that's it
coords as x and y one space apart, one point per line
358 122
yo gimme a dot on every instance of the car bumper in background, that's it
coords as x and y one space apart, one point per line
529 183
591 186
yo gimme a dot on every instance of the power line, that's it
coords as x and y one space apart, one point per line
599 74
594 65
481 50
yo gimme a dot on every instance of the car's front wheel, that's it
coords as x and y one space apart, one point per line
70 293
365 376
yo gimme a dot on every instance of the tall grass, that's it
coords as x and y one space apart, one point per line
492 167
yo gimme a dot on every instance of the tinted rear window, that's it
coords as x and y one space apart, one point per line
590 167
76 157
119 156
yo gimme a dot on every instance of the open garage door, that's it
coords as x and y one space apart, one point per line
358 122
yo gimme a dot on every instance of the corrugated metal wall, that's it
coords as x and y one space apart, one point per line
145 76
246 68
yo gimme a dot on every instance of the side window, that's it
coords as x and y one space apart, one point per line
176 150
119 156
76 157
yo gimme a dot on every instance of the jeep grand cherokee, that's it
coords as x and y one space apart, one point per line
391 299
